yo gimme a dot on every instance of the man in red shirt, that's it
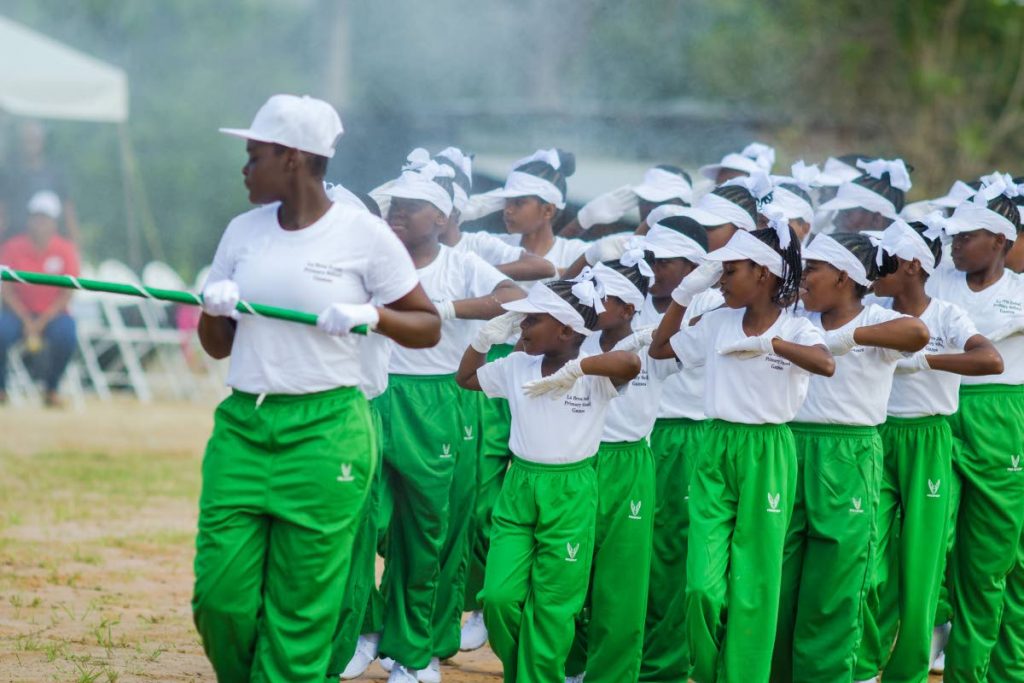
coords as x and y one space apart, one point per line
39 315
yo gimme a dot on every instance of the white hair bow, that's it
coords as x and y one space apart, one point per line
936 223
459 158
778 222
806 176
548 156
634 256
588 290
996 184
899 176
417 159
757 183
761 154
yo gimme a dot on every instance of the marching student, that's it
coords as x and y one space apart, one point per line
755 158
792 195
758 357
871 201
534 194
914 505
989 429
291 457
678 245
423 427
830 542
610 642
542 539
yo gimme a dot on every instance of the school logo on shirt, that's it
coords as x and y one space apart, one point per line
856 506
1014 464
570 552
634 509
467 433
773 502
933 488
446 451
346 473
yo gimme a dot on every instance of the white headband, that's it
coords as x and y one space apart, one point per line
899 176
459 158
714 210
959 192
837 172
854 196
633 256
743 246
758 184
792 204
665 242
616 284
901 240
542 300
971 216
754 157
548 156
660 185
824 248
520 184
418 183
660 213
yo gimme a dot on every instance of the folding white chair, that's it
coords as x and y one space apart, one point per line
92 332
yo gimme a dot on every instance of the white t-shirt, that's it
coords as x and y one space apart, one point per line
858 392
990 309
933 392
760 390
490 248
375 356
551 431
563 253
348 256
683 393
451 276
631 417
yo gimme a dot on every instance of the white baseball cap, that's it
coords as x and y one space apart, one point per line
303 123
46 203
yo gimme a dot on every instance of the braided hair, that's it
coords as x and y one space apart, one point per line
545 171
935 245
861 246
792 264
740 196
563 288
631 273
883 186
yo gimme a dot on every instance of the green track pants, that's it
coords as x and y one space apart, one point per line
542 544
913 526
741 501
989 464
457 550
422 441
1007 664
829 553
285 479
610 641
676 444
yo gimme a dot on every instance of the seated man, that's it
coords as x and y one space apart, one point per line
39 315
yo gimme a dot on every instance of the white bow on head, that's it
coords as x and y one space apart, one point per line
634 256
899 176
761 154
996 184
416 160
588 290
778 222
548 156
806 176
757 183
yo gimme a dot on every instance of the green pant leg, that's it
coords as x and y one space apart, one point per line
456 552
231 543
362 579
323 464
1007 664
840 492
740 507
622 558
423 431
566 500
676 445
991 427
944 612
908 599
792 569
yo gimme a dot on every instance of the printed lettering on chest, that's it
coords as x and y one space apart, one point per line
1008 306
578 403
777 363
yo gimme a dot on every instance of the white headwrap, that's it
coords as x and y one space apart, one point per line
660 185
899 176
665 242
824 248
754 157
660 213
743 246
616 284
779 222
588 290
542 299
758 184
837 172
634 255
417 182
901 240
711 210
958 193
465 164
974 213
520 184
854 196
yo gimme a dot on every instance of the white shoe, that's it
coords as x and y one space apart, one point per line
940 637
366 652
387 663
432 674
869 680
474 632
939 664
576 679
399 674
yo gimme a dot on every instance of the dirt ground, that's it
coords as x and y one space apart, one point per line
97 524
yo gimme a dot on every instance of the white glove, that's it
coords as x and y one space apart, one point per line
220 299
640 338
749 347
915 362
1015 326
446 309
481 205
496 331
607 248
607 208
339 319
840 341
699 280
556 384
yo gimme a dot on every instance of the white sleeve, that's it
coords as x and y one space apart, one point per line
481 277
390 274
690 344
958 326
223 266
602 388
802 331
494 251
495 377
662 368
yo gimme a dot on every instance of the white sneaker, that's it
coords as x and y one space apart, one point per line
366 652
474 632
432 674
387 663
940 636
399 674
939 664
576 679
869 680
